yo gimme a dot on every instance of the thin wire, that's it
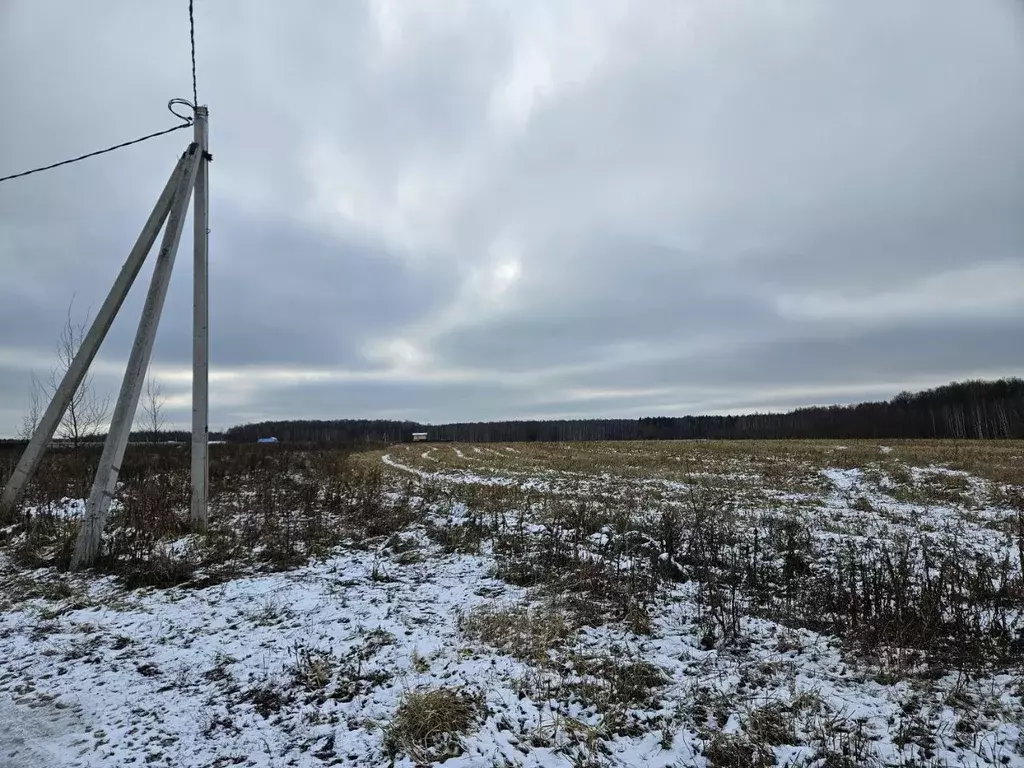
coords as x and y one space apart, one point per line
186 124
192 36
97 152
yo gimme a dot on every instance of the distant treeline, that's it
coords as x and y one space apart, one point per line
96 441
339 431
968 409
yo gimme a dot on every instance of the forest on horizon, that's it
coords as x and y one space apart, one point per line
973 409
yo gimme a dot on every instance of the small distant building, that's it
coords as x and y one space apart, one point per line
267 440
418 437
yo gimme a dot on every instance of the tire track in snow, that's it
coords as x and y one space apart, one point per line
468 479
386 458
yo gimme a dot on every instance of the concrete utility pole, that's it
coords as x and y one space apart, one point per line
201 329
191 173
90 536
29 462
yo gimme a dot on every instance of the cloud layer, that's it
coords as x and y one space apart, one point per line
462 210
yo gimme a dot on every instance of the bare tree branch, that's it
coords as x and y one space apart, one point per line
87 413
30 421
153 418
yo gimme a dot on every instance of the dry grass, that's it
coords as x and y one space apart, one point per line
600 527
612 686
533 634
737 751
605 535
429 724
783 464
313 668
271 509
773 725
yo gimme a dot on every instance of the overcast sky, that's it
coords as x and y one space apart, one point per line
485 209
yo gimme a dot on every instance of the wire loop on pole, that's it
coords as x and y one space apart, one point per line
184 102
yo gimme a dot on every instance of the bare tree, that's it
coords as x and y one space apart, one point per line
87 412
153 418
30 421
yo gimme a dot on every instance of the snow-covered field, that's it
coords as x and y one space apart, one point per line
544 607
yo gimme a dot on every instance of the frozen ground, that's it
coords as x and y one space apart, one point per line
308 667
169 677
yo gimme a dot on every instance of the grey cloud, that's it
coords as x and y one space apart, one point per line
616 293
388 399
837 356
664 178
283 294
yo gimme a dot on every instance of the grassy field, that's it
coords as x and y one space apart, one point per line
801 603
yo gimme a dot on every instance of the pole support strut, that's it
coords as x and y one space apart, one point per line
91 534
